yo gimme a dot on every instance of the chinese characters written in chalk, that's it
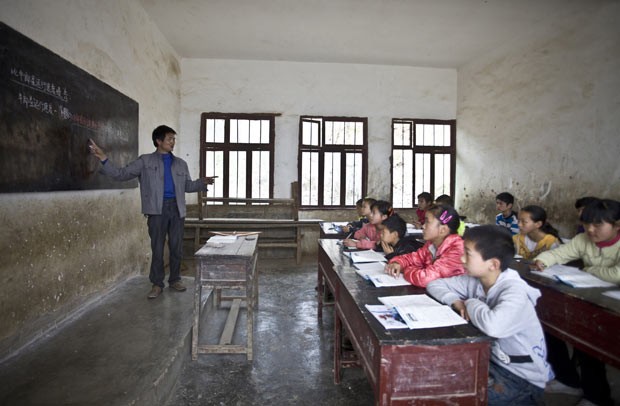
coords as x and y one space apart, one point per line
36 83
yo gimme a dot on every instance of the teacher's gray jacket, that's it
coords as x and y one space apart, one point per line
149 169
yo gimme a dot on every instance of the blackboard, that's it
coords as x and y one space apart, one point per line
49 108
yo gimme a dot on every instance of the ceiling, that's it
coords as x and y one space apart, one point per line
433 33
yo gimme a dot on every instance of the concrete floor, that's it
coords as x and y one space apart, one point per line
129 350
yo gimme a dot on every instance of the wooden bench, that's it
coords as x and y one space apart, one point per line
276 219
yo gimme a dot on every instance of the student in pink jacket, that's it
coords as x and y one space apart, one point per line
440 257
370 234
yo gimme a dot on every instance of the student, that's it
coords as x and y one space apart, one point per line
444 200
362 206
506 217
370 234
498 302
535 233
579 206
393 239
440 257
599 249
425 199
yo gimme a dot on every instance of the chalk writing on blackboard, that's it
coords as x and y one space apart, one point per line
49 108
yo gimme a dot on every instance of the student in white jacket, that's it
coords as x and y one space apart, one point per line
497 301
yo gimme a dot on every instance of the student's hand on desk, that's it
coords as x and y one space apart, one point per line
393 269
459 307
387 248
350 242
538 266
417 224
345 229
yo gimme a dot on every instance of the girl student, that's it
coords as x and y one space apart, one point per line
599 248
393 239
535 233
370 234
440 257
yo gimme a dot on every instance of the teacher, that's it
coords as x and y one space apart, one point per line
164 180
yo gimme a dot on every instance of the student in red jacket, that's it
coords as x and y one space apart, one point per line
440 257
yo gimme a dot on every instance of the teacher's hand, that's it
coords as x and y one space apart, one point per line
209 180
96 151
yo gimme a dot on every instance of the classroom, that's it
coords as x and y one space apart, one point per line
529 88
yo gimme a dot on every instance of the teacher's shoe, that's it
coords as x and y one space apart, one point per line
155 291
178 286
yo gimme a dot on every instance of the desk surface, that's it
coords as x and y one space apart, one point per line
244 246
584 317
364 292
591 295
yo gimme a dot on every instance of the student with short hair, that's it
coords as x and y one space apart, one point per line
370 234
362 206
394 242
507 217
535 233
440 257
444 200
580 204
498 302
425 199
599 249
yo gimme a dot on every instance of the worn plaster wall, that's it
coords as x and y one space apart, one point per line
293 89
540 117
60 250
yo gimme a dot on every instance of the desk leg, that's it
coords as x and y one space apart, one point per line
320 292
197 294
337 347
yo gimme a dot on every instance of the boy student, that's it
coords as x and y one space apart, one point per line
507 217
497 301
362 206
393 239
425 199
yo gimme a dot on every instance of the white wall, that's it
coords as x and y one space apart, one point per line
59 249
293 89
540 118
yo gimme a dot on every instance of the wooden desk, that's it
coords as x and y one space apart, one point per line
427 366
584 318
229 266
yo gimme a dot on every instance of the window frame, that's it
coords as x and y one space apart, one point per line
227 147
425 149
322 149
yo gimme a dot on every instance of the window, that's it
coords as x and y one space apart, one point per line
423 159
238 149
333 156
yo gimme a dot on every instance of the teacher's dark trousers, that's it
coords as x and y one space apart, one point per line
171 224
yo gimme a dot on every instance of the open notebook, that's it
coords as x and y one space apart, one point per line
574 277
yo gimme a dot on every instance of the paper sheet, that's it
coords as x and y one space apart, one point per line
385 316
421 311
614 294
574 277
222 239
367 256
